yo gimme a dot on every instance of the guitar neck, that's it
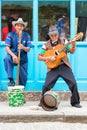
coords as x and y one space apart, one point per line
64 46
77 37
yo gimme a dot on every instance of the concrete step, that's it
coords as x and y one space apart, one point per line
36 95
30 112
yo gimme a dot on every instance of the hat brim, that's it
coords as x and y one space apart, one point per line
23 23
53 32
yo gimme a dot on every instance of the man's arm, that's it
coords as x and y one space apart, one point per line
9 51
21 46
41 58
73 48
14 57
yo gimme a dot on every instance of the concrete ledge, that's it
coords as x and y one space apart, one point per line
30 118
35 95
30 112
74 119
42 118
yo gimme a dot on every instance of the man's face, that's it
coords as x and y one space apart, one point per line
54 37
19 27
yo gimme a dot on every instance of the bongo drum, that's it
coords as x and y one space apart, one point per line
50 101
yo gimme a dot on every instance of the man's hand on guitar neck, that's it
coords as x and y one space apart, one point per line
73 46
73 42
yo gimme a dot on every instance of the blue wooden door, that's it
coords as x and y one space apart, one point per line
37 69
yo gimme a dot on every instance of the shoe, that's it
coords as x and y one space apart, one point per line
24 101
11 83
77 105
39 105
56 108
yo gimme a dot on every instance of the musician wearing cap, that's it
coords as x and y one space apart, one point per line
17 40
58 64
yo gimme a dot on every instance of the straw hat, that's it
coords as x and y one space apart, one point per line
53 30
20 20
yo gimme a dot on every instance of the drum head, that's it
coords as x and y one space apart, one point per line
50 100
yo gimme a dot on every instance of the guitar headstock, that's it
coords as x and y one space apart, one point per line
78 36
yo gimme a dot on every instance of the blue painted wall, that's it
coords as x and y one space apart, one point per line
37 69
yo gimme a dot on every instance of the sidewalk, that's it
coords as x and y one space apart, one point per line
30 112
43 126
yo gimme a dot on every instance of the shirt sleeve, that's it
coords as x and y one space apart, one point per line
29 42
69 46
43 50
8 40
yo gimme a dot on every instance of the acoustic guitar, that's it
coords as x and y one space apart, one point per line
58 52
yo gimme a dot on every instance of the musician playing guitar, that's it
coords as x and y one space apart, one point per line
63 69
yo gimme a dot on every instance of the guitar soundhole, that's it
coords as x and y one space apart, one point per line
57 53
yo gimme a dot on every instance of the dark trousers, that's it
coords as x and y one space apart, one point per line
64 72
9 67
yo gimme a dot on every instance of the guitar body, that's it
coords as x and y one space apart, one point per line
58 58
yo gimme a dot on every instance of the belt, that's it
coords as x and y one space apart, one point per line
61 63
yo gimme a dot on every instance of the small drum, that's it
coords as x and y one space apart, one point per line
16 96
50 101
